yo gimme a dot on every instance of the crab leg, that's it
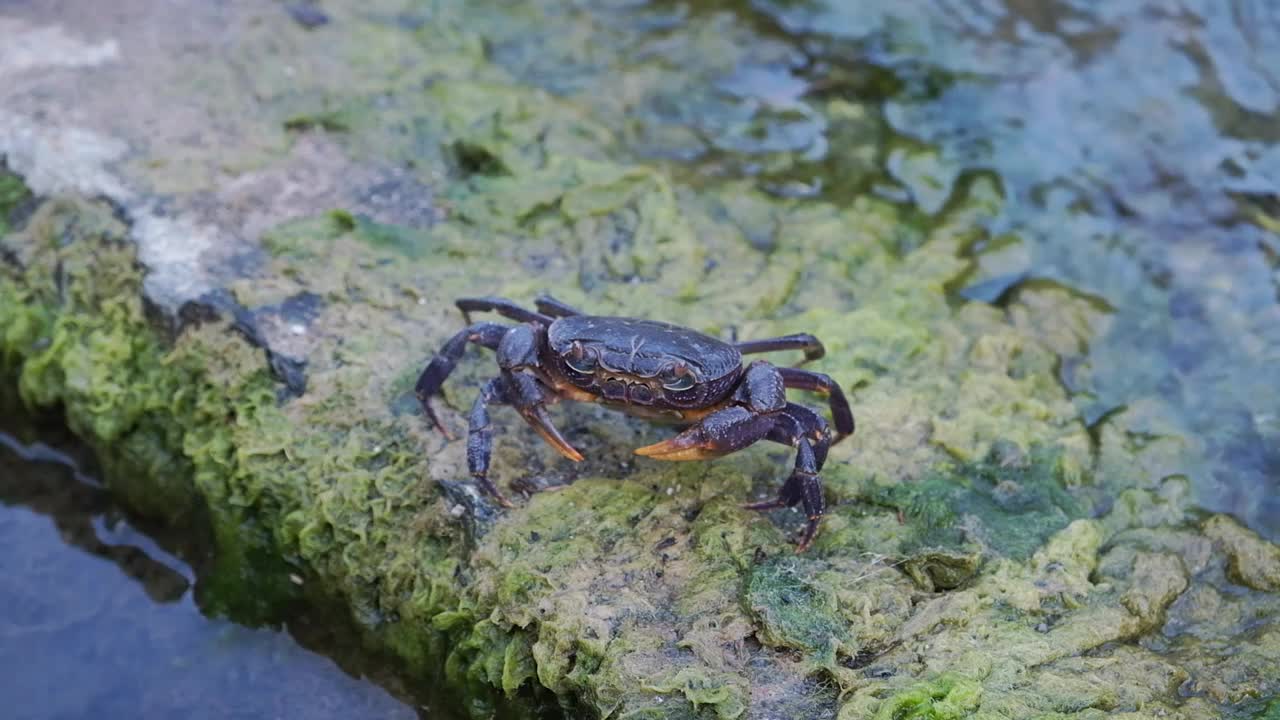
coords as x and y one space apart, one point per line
761 411
808 433
823 385
719 433
480 437
548 305
486 334
502 306
524 393
811 346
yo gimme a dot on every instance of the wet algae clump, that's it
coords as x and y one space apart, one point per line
987 553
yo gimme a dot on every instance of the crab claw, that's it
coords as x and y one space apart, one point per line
692 444
537 417
719 433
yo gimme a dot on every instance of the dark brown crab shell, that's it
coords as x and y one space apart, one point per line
637 351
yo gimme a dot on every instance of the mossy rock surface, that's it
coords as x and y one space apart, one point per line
985 554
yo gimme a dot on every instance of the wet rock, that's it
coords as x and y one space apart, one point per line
941 569
307 15
1251 561
1157 580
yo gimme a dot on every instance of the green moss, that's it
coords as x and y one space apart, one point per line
945 698
13 193
82 343
327 120
793 610
728 700
305 238
642 589
1017 503
1271 711
1252 561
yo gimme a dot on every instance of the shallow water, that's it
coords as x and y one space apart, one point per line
1136 146
99 618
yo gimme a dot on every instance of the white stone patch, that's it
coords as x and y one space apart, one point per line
172 250
57 159
23 47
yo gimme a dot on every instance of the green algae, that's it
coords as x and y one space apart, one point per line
159 426
13 193
946 698
1007 506
1252 561
793 610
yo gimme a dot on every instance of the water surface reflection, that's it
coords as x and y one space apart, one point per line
99 618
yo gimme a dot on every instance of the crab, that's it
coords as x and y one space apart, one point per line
653 370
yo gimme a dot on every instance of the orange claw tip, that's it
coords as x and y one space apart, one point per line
560 444
557 441
676 449
571 452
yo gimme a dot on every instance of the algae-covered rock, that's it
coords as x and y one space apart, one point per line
1252 561
237 331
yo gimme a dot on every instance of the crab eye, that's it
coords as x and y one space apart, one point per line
678 378
579 360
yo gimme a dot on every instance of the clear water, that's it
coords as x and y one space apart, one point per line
98 618
1136 146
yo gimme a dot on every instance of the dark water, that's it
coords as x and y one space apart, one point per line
98 620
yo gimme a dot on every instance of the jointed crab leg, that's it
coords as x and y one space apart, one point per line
525 394
486 334
798 422
719 433
823 385
811 346
548 305
808 433
480 437
502 306
764 413
736 427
